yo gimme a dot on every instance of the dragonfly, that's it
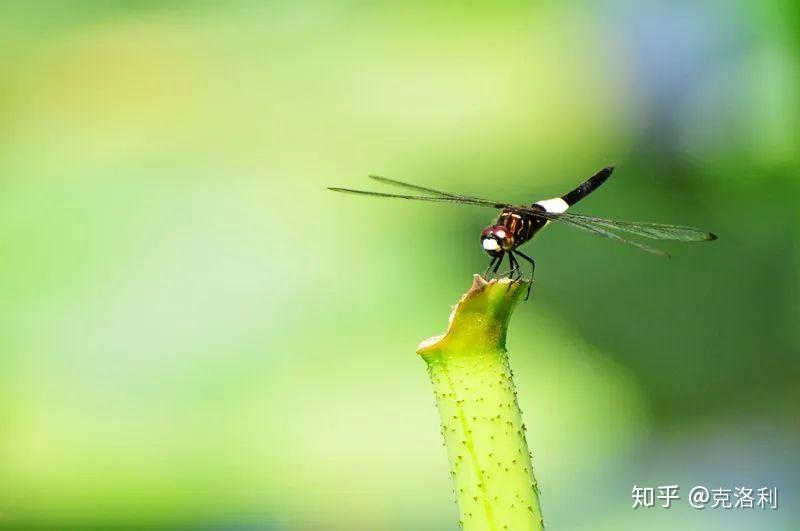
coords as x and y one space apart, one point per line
517 224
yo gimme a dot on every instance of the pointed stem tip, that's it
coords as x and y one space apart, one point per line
481 315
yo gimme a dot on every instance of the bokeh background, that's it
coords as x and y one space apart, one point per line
195 334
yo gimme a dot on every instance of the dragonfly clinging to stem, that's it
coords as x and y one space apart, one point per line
517 224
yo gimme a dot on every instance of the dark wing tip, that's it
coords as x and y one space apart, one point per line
711 237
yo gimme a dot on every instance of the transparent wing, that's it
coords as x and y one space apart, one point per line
655 231
392 182
599 231
444 199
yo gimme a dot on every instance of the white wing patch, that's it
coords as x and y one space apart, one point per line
555 205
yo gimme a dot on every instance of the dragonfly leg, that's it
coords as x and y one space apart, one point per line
515 275
497 265
486 273
533 270
516 270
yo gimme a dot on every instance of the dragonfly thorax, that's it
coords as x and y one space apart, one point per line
512 229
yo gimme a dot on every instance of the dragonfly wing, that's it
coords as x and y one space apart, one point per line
599 231
455 199
656 231
392 182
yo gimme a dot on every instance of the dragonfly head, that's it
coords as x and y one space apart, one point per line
497 239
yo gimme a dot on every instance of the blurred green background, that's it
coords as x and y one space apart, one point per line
195 334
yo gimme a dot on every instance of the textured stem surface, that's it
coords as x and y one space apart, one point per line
481 422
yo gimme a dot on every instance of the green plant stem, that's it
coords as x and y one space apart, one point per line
481 422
